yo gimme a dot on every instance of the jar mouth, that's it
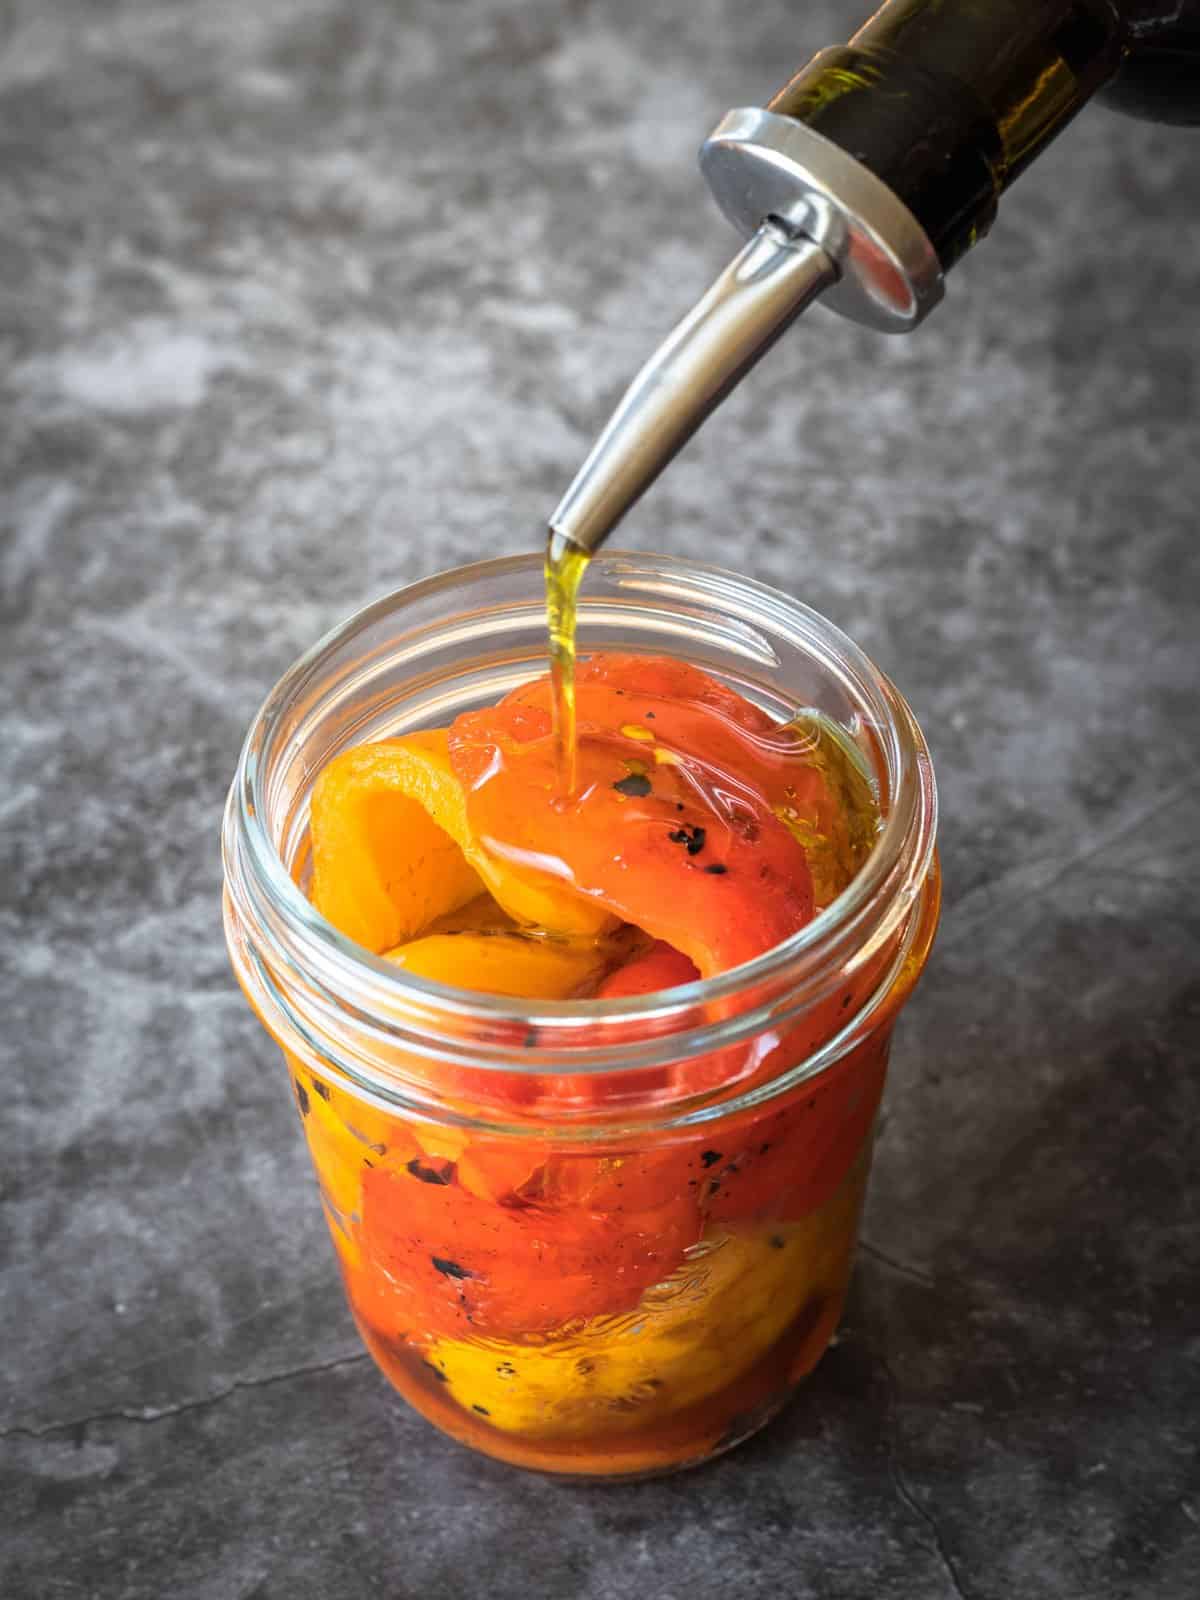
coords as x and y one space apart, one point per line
410 631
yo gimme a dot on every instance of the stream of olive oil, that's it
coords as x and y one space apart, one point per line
565 566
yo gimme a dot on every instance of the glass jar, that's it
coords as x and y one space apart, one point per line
600 1238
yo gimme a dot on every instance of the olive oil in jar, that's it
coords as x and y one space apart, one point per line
837 818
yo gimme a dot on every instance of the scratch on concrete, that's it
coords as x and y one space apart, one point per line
152 1414
904 1493
915 1273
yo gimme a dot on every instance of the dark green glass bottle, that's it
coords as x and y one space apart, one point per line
947 101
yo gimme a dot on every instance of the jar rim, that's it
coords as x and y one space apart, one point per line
620 1033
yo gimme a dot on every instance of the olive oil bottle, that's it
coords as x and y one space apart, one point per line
947 101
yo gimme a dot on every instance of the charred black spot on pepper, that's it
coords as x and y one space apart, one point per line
714 1187
530 1039
691 838
710 1157
716 869
321 1088
367 1162
776 1241
845 1001
482 1410
636 785
450 1269
679 805
505 1369
763 1148
650 714
437 1372
441 1174
301 1097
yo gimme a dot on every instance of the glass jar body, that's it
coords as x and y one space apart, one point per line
601 1240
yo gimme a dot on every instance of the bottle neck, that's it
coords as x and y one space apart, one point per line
947 101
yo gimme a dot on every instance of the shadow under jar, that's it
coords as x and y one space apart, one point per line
599 1238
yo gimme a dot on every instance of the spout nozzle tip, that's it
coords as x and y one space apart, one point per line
560 543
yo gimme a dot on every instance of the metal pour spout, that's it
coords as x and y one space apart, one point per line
816 219
766 285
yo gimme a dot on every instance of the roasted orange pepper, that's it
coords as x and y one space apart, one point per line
392 850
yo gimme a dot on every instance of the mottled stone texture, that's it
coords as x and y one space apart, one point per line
303 299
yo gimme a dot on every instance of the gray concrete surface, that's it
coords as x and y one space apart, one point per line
303 299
